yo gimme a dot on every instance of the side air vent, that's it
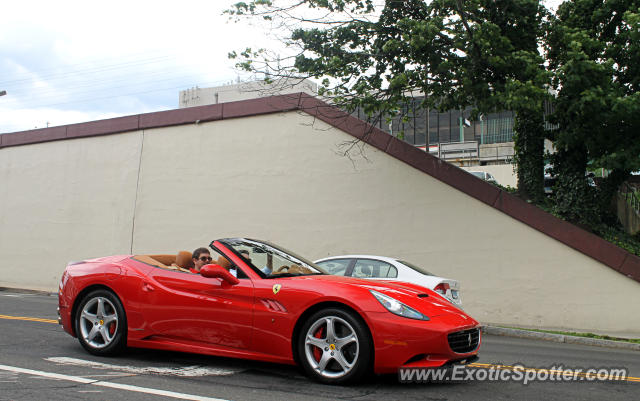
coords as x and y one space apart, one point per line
273 305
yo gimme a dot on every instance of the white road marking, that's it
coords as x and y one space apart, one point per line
46 378
117 386
20 295
186 371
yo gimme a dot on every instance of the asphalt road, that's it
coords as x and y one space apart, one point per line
60 369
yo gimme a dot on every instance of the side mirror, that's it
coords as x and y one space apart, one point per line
217 271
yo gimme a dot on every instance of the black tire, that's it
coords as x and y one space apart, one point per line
342 358
101 323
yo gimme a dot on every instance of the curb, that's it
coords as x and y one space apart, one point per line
559 338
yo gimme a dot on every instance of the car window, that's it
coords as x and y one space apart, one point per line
337 267
416 268
218 258
369 268
270 261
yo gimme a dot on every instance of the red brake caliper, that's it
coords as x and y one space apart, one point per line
112 328
317 352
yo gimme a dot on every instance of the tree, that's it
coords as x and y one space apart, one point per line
594 54
479 53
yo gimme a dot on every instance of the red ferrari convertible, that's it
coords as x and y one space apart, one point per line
259 301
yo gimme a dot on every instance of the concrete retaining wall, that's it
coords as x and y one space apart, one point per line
279 177
63 201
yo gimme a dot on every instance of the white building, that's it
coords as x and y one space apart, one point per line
244 91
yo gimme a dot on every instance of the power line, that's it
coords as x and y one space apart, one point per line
121 59
126 94
86 71
90 86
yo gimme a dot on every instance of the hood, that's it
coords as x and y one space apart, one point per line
420 298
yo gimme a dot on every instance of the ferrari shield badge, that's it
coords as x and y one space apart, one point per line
276 288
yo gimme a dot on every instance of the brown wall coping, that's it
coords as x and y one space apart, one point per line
567 233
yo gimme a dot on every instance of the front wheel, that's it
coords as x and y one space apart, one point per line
101 324
335 347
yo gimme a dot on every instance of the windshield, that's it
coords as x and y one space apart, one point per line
271 261
416 268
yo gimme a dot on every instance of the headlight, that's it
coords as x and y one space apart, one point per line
398 308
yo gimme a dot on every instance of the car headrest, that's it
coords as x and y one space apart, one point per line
222 261
184 260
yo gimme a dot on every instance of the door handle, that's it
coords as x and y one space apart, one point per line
147 287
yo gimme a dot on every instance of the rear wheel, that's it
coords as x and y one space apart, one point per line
101 324
334 347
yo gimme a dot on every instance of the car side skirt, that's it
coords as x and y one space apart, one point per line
166 344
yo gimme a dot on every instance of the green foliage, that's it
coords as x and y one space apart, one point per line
507 188
619 237
594 56
461 53
529 153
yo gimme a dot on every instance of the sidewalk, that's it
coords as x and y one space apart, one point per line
559 338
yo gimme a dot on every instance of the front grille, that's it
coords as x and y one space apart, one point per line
464 341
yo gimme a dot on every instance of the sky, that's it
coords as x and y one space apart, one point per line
70 61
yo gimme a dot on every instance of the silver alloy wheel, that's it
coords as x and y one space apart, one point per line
332 347
99 322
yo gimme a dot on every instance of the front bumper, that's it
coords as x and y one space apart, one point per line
401 342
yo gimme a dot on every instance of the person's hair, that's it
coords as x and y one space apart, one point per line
245 252
200 251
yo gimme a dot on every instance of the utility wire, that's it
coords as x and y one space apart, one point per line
52 72
86 71
88 87
204 84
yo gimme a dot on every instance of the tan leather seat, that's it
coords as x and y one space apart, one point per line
166 260
222 261
184 260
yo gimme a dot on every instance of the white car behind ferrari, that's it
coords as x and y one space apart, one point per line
384 268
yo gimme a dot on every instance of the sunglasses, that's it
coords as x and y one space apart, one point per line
205 258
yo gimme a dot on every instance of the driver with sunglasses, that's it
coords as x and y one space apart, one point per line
201 257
